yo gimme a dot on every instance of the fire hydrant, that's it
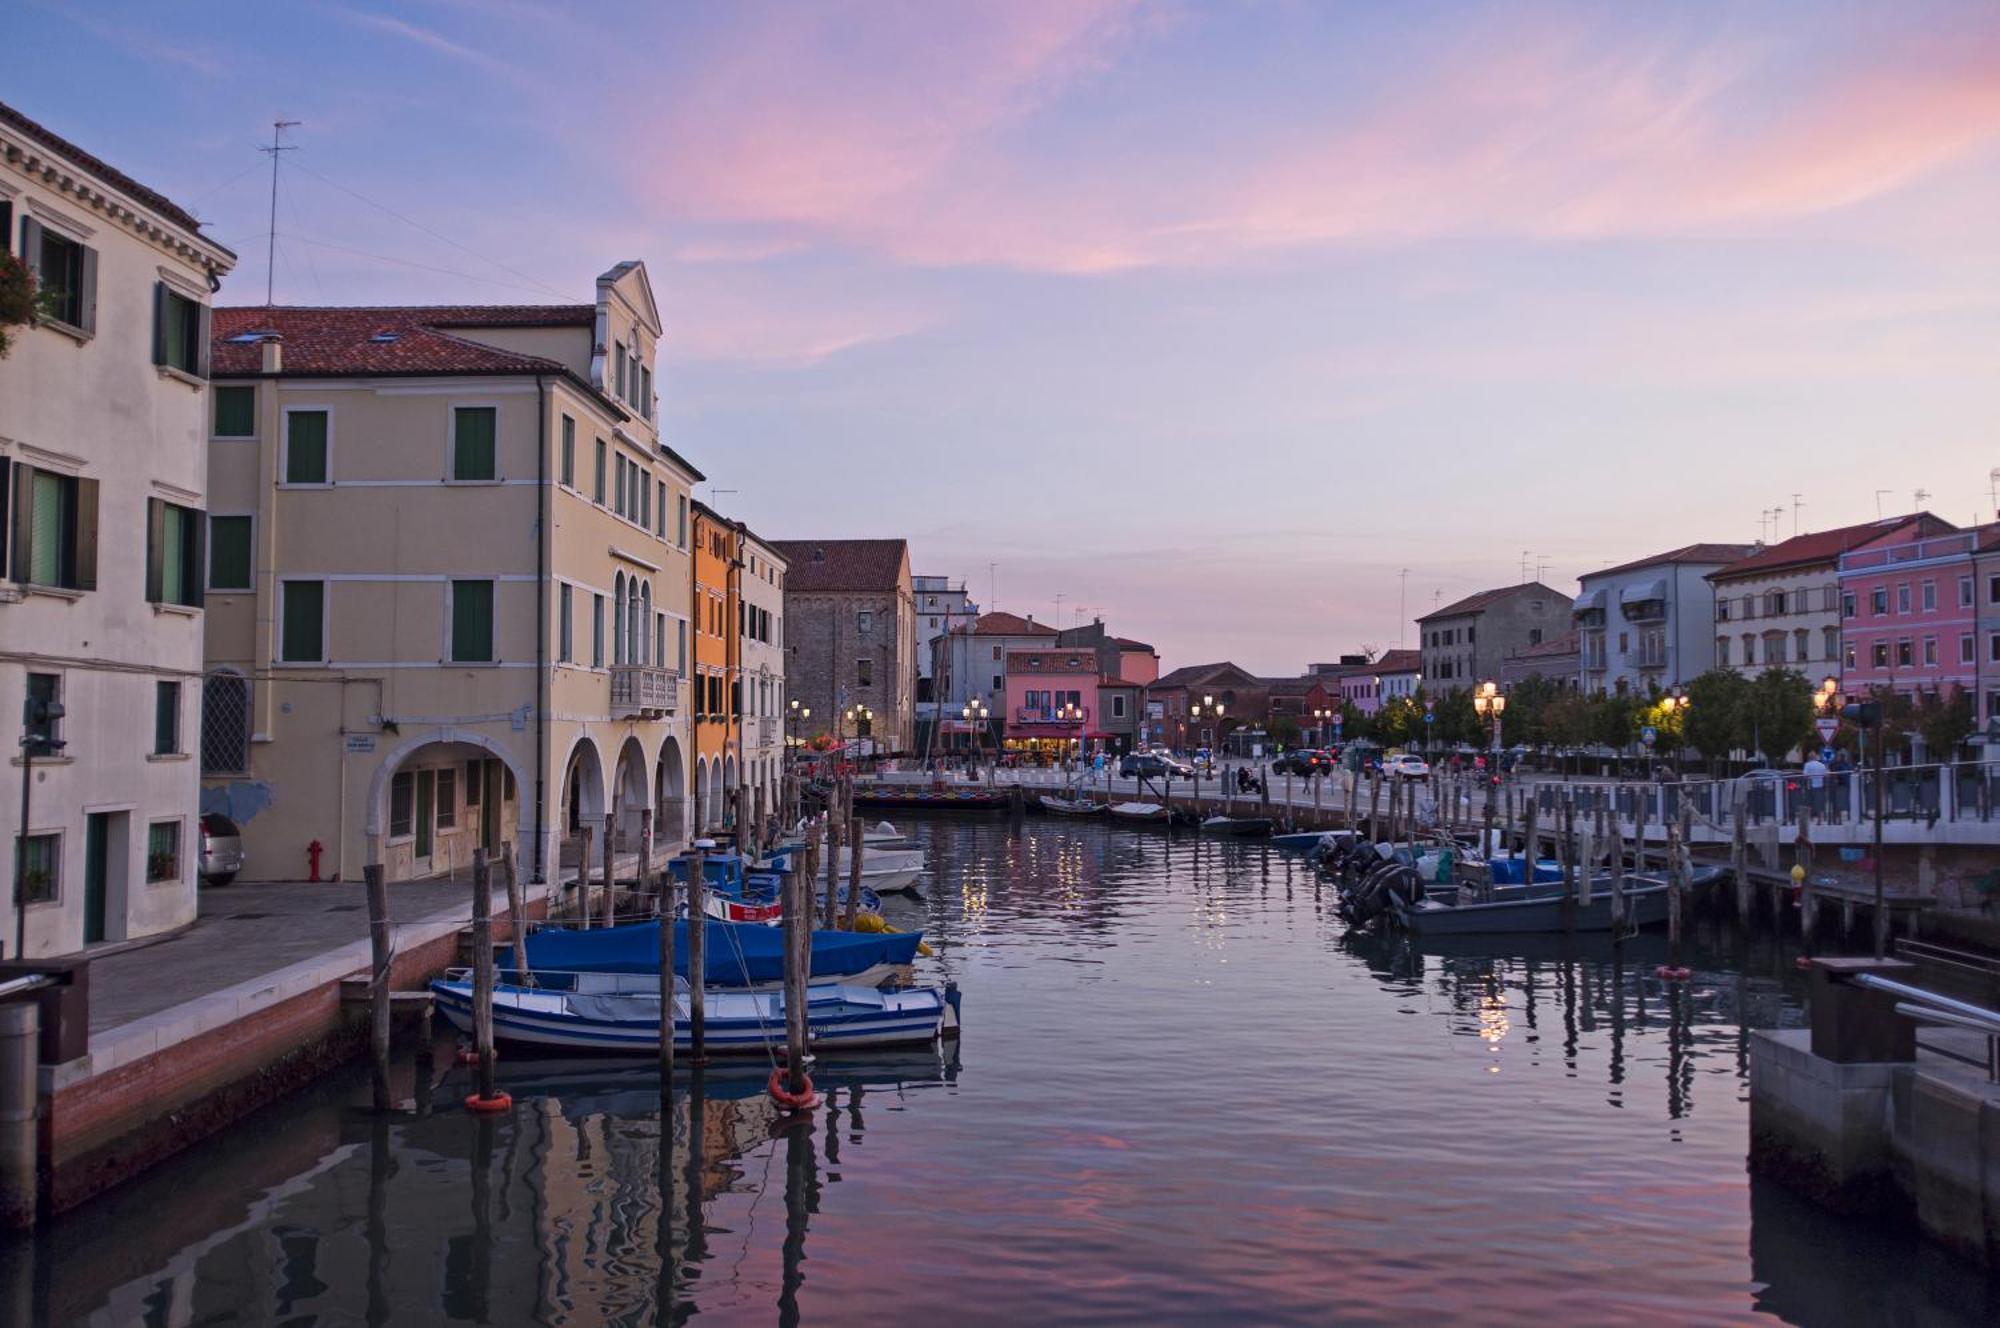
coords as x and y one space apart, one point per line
313 850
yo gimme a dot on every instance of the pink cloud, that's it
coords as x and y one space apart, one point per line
902 131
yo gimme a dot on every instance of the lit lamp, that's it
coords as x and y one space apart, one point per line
1072 713
974 713
1211 708
1487 700
1320 716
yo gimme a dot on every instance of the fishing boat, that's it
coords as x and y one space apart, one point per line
733 955
738 893
1151 813
1539 907
1237 827
612 1013
1305 841
1056 806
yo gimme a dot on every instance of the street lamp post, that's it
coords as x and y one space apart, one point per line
974 714
1212 709
1487 700
1072 713
1866 715
1675 704
1320 716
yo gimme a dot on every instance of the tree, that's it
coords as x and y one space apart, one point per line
1529 702
1401 721
1457 721
1283 730
1612 720
1714 724
1779 711
18 301
1943 723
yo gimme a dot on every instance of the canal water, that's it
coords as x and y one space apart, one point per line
1184 1095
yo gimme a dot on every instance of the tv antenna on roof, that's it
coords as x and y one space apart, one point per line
278 128
1798 501
1918 504
1879 494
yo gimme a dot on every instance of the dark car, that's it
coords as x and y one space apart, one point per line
1304 761
1151 765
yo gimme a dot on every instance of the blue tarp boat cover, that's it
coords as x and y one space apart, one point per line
1507 871
738 953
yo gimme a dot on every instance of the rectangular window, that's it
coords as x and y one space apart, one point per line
681 520
1992 590
235 412
1966 650
1929 599
402 804
41 869
1117 705
474 775
645 392
1965 592
864 672
55 529
660 508
1722 651
1878 601
566 467
1993 647
597 481
565 594
163 852
229 553
1905 654
597 631
618 370
1903 598
1930 652
645 501
173 554
166 718
1832 641
45 688
474 443
864 623
65 274
306 446
660 639
681 646
472 622
1847 604
618 483
180 331
1847 656
447 797
302 625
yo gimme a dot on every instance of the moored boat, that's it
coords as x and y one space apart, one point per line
734 955
614 1014
1056 806
1237 827
1151 813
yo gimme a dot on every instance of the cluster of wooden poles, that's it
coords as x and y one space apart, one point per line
823 836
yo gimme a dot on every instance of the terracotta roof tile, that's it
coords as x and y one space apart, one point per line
836 565
1486 598
1400 661
1819 546
371 341
1687 553
997 623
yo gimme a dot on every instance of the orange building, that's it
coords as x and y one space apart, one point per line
717 664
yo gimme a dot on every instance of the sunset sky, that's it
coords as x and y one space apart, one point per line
1210 318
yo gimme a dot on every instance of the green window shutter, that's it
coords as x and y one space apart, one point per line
162 310
303 637
568 471
305 447
597 490
87 290
166 718
473 432
472 622
45 529
81 552
156 551
235 412
229 552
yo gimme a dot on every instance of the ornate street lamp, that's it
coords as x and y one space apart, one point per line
1211 708
1487 700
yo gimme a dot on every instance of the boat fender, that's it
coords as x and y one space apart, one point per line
1672 973
489 1106
803 1100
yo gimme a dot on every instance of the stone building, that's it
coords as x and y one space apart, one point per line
1463 644
851 628
104 490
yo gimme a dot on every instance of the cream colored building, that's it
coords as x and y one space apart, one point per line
102 486
762 627
448 582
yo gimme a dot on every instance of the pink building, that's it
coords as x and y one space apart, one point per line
1908 615
1052 701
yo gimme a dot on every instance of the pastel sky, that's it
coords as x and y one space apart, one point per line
1210 318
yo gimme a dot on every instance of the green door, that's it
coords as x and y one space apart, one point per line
426 796
96 853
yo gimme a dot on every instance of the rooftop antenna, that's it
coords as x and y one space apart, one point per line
1798 501
992 587
278 146
1541 566
1525 555
1880 494
1993 490
1402 604
1918 505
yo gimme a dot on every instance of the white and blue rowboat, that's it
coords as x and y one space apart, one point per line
613 1013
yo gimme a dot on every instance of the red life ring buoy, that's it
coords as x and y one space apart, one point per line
803 1100
486 1106
1669 973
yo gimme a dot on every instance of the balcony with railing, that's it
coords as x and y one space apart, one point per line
1646 657
762 730
643 691
1051 715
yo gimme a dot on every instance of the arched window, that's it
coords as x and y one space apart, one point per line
225 723
639 625
633 623
618 619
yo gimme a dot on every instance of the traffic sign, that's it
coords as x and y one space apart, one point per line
1826 754
1648 734
1827 728
1429 718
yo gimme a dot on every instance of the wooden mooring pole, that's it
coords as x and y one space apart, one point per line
610 876
583 878
1569 860
517 913
667 1010
1617 879
835 823
697 957
482 971
854 852
383 955
798 958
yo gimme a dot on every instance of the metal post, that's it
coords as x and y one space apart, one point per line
583 878
20 1036
1881 902
517 914
383 955
21 848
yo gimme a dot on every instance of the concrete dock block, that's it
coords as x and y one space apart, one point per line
1822 1126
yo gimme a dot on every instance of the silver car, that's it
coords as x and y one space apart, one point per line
221 849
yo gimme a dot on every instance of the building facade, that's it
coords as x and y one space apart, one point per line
449 583
717 702
851 628
1648 624
1555 659
1780 606
1052 708
1910 615
761 626
971 665
1171 721
1463 643
1399 674
103 491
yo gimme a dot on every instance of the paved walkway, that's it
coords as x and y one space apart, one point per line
246 931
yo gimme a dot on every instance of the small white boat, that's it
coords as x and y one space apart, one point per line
1151 812
620 1013
1070 806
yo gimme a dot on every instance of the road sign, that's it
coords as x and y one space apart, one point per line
1826 754
1429 718
1827 728
1648 734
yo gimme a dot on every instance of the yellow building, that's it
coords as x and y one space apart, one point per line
448 585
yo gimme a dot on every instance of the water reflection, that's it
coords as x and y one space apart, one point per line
1197 1099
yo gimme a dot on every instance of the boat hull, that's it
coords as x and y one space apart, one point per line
1645 906
1237 827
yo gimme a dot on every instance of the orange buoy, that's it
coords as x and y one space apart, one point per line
803 1100
487 1106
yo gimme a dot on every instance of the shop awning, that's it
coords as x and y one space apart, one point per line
1589 601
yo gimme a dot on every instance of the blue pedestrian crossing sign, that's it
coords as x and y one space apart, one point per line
1648 735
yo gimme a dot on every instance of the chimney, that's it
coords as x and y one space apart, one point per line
273 348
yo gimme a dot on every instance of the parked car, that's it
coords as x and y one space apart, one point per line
1303 761
221 849
1406 765
1152 765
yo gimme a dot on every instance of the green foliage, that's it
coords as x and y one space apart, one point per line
1283 730
1778 711
1612 720
1714 724
1529 705
17 299
1401 722
1457 720
1944 722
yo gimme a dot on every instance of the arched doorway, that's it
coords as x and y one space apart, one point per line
730 784
670 794
629 796
437 799
583 804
